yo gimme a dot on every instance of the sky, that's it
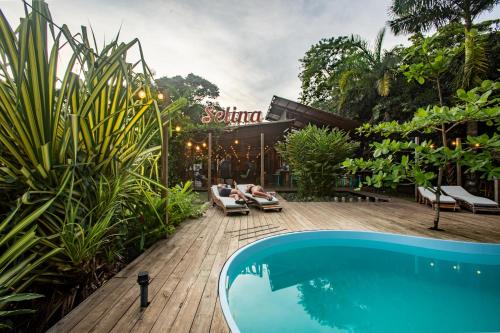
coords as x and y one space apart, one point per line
249 49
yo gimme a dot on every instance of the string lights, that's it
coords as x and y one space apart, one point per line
455 143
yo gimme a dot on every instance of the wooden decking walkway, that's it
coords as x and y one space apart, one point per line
185 268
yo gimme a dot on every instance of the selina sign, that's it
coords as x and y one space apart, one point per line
229 116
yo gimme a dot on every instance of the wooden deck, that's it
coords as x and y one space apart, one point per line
185 268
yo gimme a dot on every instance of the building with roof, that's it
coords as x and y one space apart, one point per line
246 144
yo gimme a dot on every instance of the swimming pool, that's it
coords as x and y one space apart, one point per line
345 281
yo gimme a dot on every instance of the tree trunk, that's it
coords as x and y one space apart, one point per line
467 76
440 94
437 209
444 136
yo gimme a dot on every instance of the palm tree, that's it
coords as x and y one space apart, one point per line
413 16
369 70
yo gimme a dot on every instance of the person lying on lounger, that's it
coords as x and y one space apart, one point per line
232 193
258 191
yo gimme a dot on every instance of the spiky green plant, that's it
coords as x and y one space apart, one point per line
19 261
83 128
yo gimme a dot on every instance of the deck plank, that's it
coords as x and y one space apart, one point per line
185 268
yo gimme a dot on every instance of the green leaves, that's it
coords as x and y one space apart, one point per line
427 61
76 143
399 161
478 104
314 155
344 74
6 298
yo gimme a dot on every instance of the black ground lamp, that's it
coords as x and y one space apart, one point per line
143 281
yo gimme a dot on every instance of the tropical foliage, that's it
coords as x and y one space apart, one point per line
345 76
198 92
194 88
398 159
79 181
314 156
414 16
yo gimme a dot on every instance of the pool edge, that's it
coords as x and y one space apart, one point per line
222 280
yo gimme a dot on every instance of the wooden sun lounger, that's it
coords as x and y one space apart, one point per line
227 204
425 196
470 201
261 203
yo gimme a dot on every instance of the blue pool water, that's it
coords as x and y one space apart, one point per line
335 281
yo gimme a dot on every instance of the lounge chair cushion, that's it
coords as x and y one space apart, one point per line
260 201
228 202
458 192
432 197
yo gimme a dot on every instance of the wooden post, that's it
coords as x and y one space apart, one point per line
459 166
164 169
417 141
209 190
262 159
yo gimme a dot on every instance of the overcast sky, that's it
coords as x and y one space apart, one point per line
249 49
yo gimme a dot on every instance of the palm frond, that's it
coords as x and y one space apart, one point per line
476 62
384 84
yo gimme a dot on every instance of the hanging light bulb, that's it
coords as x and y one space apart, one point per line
197 148
177 128
141 94
160 96
204 144
236 141
477 145
189 144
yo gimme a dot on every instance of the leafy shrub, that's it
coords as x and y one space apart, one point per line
314 156
143 231
182 203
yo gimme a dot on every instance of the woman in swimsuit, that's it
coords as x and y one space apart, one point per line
232 193
258 191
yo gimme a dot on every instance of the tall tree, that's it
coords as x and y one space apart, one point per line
392 162
194 88
412 16
346 75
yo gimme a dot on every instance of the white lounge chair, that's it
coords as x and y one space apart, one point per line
261 203
470 201
227 204
426 196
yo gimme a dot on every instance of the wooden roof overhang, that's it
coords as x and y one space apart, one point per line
250 134
249 137
302 115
